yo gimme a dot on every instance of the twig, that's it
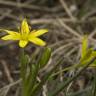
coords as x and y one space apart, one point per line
67 9
61 48
10 79
24 5
10 85
69 29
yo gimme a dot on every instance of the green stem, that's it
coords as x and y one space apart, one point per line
23 69
21 63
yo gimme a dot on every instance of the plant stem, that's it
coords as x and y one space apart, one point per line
22 70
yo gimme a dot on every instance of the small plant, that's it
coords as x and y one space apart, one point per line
30 84
29 70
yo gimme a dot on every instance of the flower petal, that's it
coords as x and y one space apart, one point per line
23 43
11 32
38 33
11 37
24 27
37 41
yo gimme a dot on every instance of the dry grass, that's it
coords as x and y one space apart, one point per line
67 21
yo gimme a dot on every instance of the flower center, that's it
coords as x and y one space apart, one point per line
24 36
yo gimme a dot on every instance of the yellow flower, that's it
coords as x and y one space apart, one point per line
25 35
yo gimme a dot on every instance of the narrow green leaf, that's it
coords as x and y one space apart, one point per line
46 77
45 57
31 78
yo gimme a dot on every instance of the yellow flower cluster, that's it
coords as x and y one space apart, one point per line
25 35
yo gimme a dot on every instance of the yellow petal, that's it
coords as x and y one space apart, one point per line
11 32
23 43
24 27
11 37
84 46
37 41
38 33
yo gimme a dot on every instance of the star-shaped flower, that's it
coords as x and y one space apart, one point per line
25 35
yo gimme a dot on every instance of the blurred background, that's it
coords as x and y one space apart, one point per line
67 21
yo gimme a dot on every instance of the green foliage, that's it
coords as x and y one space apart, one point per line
45 57
30 70
87 53
88 59
64 84
30 85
